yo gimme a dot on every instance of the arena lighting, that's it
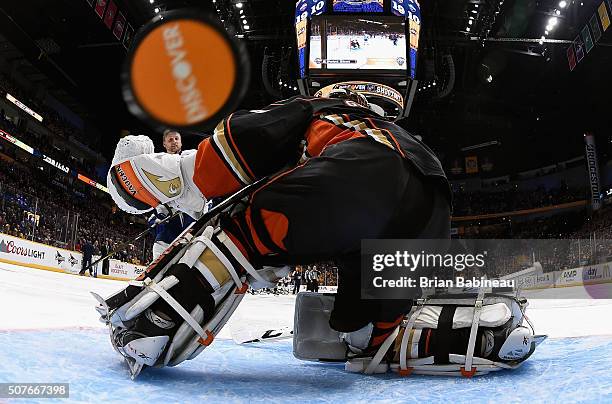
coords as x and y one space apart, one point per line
151 1
557 12
470 22
481 145
24 107
242 16
247 27
468 29
238 5
489 79
371 22
549 27
241 11
156 9
244 22
4 135
553 21
474 11
545 32
563 4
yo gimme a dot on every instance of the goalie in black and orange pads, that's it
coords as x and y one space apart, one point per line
341 173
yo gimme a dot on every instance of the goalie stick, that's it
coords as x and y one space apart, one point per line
130 292
250 336
137 237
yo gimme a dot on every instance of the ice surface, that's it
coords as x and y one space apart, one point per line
49 332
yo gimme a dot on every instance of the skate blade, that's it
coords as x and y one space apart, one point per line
538 339
134 368
102 308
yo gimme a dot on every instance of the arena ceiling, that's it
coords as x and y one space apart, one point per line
508 86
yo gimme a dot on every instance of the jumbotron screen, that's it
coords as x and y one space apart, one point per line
358 6
368 43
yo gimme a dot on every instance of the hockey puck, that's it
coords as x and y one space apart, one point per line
184 71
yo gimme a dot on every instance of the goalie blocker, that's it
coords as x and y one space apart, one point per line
454 335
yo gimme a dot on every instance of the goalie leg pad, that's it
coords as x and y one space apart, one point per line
189 303
463 335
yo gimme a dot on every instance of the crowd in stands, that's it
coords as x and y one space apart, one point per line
563 240
480 202
52 120
49 207
33 208
44 146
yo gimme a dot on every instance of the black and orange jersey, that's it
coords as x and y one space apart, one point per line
251 144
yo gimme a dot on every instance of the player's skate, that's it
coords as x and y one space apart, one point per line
455 335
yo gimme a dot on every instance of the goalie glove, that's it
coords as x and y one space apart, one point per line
176 309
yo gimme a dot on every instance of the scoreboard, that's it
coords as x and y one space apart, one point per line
380 28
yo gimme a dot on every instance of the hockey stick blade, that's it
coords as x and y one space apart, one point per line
262 336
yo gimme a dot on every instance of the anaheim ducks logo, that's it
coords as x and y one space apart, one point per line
170 188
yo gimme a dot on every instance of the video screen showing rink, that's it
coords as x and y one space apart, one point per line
363 44
52 315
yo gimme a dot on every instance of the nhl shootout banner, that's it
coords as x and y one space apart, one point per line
593 170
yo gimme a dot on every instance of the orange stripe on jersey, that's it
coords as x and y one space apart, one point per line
386 324
376 341
283 224
237 243
319 134
211 175
261 248
388 132
277 225
347 135
132 185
